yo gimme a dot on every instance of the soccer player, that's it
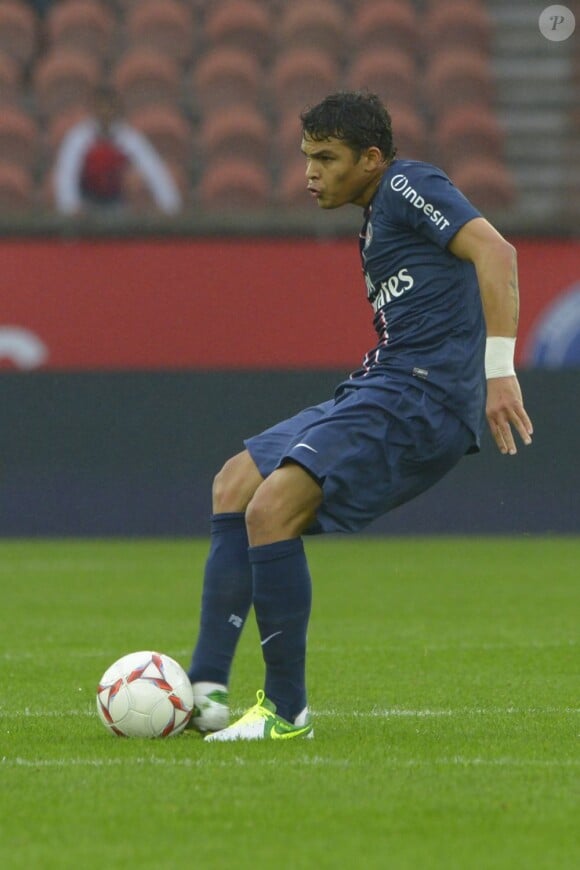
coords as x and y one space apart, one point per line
442 284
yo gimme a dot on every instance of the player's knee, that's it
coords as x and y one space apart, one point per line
280 510
235 484
226 496
263 514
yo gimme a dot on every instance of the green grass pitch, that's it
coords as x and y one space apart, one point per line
443 677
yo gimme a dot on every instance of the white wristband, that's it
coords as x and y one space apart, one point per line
499 357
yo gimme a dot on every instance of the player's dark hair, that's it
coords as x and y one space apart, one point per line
360 119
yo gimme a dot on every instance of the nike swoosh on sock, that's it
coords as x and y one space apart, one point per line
270 636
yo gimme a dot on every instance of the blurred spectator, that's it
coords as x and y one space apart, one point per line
94 156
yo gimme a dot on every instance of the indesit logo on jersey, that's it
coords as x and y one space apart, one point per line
400 184
392 288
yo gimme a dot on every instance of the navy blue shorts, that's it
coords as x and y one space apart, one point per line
371 449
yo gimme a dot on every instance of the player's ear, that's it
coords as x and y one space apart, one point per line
374 158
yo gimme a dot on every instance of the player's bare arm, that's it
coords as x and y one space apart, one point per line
496 266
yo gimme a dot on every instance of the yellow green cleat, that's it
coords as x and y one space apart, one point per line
261 722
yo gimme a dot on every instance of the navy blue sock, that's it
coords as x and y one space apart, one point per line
226 599
282 602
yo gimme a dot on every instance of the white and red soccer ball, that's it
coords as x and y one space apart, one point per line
145 694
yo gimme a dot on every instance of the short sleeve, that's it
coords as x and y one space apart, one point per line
423 197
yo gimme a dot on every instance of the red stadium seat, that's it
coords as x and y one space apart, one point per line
226 77
64 79
301 77
233 185
486 182
386 24
143 77
168 131
409 132
85 25
291 190
428 5
242 132
18 31
457 24
467 131
166 26
19 138
16 189
321 26
244 25
456 78
390 74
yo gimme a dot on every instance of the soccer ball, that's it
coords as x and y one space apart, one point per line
145 694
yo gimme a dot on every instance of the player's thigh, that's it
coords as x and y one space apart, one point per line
284 505
235 484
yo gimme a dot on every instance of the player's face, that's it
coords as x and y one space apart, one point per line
336 177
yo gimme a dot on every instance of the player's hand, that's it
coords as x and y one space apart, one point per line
505 412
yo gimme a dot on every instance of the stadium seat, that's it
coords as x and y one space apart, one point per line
168 131
245 25
459 77
467 131
65 78
19 138
166 26
85 25
233 185
319 25
226 77
16 189
386 24
390 74
242 131
486 182
291 190
428 5
144 77
302 76
457 24
18 31
10 80
409 132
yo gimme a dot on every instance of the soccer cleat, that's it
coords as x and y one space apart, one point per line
261 722
211 710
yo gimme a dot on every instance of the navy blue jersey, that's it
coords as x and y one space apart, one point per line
427 306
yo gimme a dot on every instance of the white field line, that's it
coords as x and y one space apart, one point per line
414 646
392 713
411 646
305 761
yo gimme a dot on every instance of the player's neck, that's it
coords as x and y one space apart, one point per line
367 195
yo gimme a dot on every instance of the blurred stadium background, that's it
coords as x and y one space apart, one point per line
137 350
